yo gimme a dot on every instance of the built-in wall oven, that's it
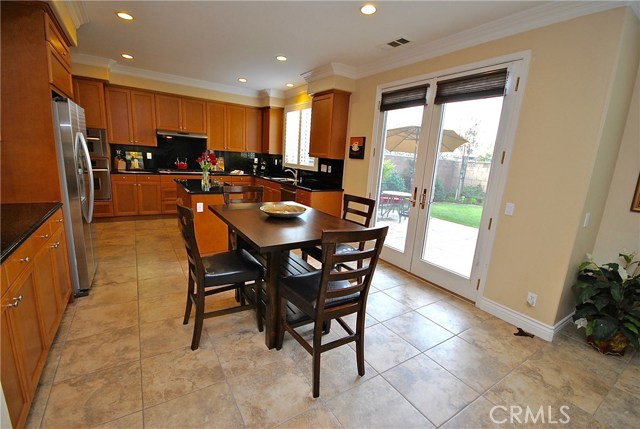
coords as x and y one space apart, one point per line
99 154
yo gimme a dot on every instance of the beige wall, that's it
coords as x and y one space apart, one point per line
563 123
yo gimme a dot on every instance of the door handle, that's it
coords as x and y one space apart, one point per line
423 199
414 199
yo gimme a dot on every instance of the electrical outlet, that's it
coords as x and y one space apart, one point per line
323 168
328 169
532 299
199 207
148 155
509 209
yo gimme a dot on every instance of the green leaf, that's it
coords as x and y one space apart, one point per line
632 328
604 328
584 310
586 293
632 319
633 338
601 302
580 285
589 328
616 291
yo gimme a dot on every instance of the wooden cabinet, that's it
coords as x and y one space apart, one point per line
136 194
180 114
211 233
271 191
272 130
131 117
36 289
329 116
234 128
329 202
58 58
168 190
237 179
102 209
89 94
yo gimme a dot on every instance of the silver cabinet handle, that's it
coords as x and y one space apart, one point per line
15 303
25 259
59 220
44 237
55 245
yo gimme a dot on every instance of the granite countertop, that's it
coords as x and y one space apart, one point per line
194 186
19 221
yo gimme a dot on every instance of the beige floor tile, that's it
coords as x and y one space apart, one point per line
449 316
369 320
113 249
419 331
38 406
167 335
436 393
478 368
629 380
51 364
240 323
317 416
132 421
619 410
162 307
375 404
149 288
382 307
94 398
415 295
272 395
383 279
116 274
88 354
482 414
212 407
115 261
157 256
110 293
170 375
383 349
159 269
94 320
65 323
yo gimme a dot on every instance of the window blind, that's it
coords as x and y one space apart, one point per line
401 98
481 85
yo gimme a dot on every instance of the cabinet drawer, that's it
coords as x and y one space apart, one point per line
41 236
19 260
56 221
103 209
59 72
56 41
123 178
150 179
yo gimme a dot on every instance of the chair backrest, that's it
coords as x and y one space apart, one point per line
187 229
351 206
242 194
358 279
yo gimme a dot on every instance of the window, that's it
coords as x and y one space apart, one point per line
297 128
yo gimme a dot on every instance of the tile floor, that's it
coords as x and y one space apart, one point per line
122 359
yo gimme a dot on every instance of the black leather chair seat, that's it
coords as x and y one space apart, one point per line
302 291
230 267
316 252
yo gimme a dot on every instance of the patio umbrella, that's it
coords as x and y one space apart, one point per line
405 139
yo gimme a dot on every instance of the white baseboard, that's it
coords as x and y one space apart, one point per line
528 324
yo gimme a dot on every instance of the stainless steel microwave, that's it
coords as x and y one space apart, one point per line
97 143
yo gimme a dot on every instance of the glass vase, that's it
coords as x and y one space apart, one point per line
206 184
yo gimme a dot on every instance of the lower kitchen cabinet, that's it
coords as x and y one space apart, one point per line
13 385
212 234
136 194
103 209
271 191
169 193
326 201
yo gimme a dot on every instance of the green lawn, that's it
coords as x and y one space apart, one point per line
463 214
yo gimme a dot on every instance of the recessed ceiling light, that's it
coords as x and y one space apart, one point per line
281 58
124 15
243 80
127 56
368 9
289 85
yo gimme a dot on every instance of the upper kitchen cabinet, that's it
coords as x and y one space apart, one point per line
272 128
89 94
234 128
180 114
33 65
329 116
131 117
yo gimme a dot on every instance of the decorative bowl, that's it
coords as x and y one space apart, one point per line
282 210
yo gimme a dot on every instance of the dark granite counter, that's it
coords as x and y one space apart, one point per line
194 186
19 221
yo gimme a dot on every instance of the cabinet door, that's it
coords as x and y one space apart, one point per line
321 115
13 379
44 273
235 129
149 195
215 126
272 129
194 116
143 118
118 115
125 195
253 118
89 94
62 280
168 113
59 73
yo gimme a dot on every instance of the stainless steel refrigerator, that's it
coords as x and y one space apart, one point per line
77 191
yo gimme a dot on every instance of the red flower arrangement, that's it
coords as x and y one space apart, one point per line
207 161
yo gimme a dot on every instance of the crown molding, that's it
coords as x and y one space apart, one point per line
92 60
328 70
77 12
272 93
537 17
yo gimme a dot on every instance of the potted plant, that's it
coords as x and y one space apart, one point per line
608 306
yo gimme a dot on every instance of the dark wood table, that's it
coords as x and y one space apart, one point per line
273 238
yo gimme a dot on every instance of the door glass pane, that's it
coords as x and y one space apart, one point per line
463 166
402 132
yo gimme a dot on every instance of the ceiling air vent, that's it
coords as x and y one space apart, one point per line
393 44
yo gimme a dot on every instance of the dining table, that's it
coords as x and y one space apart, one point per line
274 238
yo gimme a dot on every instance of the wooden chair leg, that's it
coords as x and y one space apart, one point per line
197 327
187 312
360 343
258 286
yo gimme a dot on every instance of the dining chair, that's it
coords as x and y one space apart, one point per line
355 209
329 294
221 272
242 194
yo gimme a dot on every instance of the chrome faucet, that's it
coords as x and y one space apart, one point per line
295 174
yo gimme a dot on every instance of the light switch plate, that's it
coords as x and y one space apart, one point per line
509 208
199 207
323 168
148 155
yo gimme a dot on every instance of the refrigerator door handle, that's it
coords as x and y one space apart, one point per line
85 152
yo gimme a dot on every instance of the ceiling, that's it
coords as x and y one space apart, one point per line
213 43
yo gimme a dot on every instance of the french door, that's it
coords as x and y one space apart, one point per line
441 173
